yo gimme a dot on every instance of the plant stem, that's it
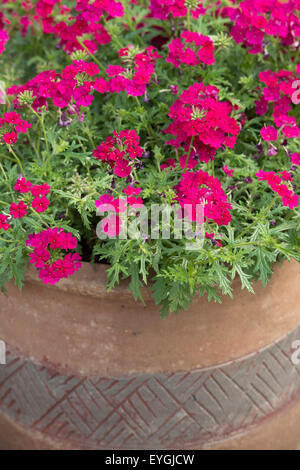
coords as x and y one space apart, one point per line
8 158
188 155
9 186
4 240
91 54
36 213
137 100
188 19
135 174
41 120
33 146
147 125
89 136
16 158
128 17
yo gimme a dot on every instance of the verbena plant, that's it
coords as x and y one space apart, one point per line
181 102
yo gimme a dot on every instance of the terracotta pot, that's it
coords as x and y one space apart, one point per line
90 369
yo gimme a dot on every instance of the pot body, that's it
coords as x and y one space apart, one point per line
87 369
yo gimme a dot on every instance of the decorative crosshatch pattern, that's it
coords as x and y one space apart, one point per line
151 411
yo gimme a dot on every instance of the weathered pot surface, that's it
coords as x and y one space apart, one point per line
90 369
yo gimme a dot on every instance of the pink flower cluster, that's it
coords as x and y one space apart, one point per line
24 20
48 254
119 205
3 33
112 224
3 40
18 210
229 172
254 19
269 133
166 9
133 76
119 151
44 8
202 122
275 181
132 195
82 22
3 222
73 85
278 91
199 187
11 124
180 53
295 158
39 192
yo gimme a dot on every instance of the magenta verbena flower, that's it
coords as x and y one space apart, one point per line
255 20
288 196
3 222
201 50
48 254
203 122
277 94
199 187
164 9
119 151
18 211
11 125
133 76
4 37
295 158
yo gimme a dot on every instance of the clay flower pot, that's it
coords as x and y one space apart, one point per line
96 370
